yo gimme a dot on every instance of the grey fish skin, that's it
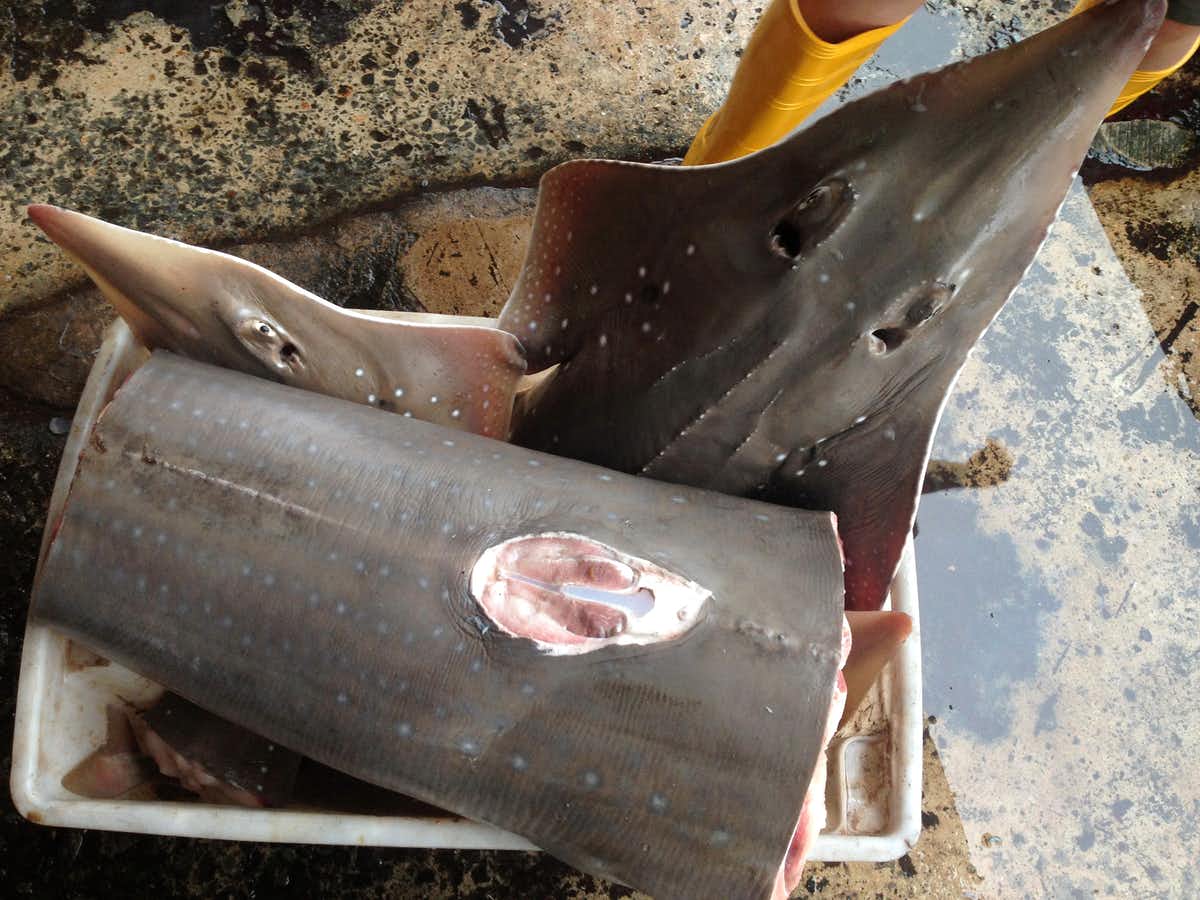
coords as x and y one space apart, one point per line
223 310
298 565
788 325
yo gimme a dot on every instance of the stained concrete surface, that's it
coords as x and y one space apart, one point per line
1052 765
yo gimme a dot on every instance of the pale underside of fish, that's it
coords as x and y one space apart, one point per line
787 326
319 572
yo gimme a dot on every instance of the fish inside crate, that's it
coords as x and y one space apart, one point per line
66 693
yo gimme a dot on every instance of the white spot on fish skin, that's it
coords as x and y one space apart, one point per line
889 433
423 582
314 600
719 838
243 425
691 250
593 289
799 472
860 420
371 398
246 569
641 271
645 328
780 457
342 698
590 779
175 404
823 278
533 326
135 532
476 665
399 392
404 730
340 609
678 499
268 579
447 527
332 556
433 399
385 571
374 504
851 306
448 443
822 463
658 803
438 631
528 689
629 296
408 414
360 566
469 747
455 413
358 373
604 340
535 463
519 763
762 517
247 640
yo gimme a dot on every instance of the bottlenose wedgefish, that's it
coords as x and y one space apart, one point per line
220 309
636 676
787 326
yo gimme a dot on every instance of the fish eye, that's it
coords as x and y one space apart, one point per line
255 329
813 219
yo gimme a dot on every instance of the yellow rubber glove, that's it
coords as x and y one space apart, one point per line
785 73
1142 80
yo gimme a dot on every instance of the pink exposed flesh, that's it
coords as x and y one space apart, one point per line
812 813
571 594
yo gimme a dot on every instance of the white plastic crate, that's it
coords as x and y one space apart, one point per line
873 795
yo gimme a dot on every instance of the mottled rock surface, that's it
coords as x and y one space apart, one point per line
219 122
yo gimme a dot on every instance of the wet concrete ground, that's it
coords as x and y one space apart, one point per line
428 256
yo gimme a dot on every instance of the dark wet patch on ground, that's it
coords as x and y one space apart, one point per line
983 600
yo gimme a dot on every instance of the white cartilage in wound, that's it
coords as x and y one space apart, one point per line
570 594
